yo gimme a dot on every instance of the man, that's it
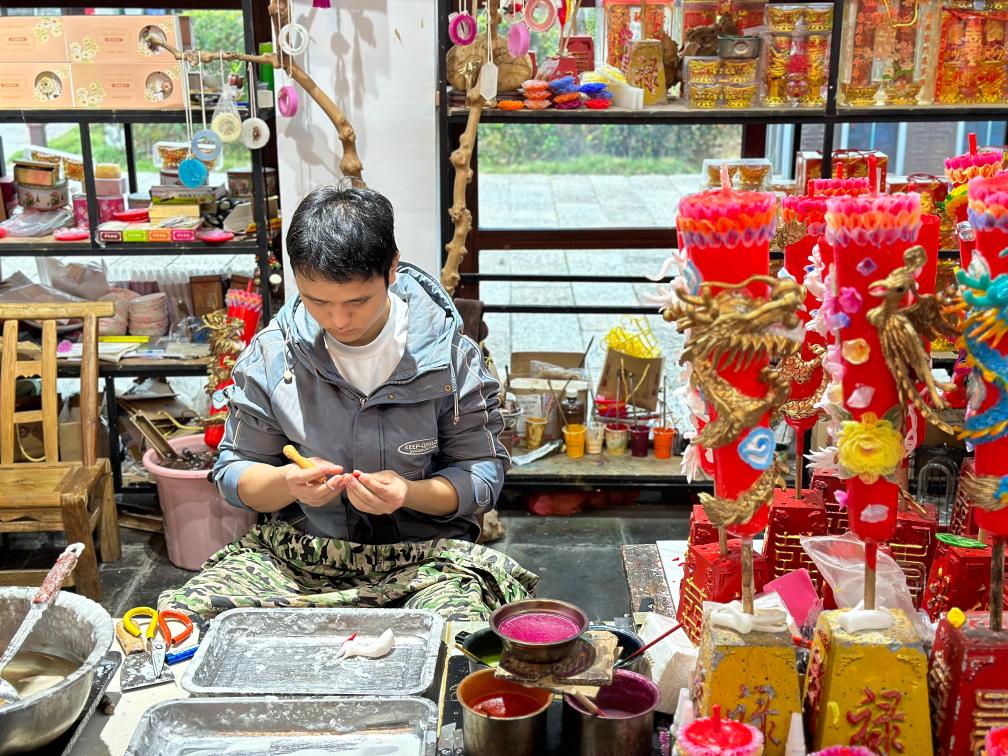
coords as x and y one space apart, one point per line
367 373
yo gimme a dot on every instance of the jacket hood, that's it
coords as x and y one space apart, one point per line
433 325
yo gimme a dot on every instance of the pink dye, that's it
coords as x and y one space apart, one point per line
539 627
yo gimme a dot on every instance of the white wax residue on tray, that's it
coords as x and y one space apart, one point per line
359 744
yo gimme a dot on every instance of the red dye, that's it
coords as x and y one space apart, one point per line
539 627
506 705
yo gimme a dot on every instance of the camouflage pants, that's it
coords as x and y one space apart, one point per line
275 565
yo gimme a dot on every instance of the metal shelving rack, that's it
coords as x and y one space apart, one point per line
754 122
259 247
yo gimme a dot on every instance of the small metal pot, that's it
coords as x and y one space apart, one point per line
539 653
493 736
74 627
738 48
483 642
628 642
587 735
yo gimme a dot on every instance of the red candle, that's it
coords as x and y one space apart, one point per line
727 235
869 236
988 215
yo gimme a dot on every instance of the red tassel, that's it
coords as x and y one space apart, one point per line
321 4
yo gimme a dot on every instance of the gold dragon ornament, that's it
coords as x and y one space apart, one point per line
903 330
731 330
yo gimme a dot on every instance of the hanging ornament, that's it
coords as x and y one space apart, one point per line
287 98
255 132
488 72
548 15
191 172
461 28
518 40
293 39
226 121
287 101
205 135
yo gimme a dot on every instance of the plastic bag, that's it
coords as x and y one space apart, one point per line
226 120
539 369
841 560
85 280
37 222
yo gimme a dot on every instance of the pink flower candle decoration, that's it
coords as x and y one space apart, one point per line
714 736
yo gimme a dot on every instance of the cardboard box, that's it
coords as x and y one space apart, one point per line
70 431
534 395
36 85
101 40
32 38
643 375
133 86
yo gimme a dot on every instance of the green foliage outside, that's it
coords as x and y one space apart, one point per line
613 149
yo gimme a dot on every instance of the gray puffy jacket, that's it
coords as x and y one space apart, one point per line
437 414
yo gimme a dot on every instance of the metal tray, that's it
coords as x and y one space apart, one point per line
291 652
286 726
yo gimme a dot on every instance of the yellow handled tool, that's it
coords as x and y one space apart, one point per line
300 460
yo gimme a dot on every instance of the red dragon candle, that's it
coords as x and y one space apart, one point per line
737 318
985 291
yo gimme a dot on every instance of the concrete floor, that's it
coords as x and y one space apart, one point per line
577 558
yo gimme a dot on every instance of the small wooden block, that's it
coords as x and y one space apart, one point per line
868 688
752 677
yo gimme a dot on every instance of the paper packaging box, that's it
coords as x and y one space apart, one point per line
32 38
70 431
120 39
134 86
643 375
35 85
531 392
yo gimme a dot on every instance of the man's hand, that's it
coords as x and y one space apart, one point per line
378 493
315 486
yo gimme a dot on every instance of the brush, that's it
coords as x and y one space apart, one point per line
623 662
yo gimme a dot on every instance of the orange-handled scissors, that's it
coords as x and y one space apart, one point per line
157 647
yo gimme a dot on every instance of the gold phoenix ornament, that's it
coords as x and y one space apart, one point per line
902 331
732 329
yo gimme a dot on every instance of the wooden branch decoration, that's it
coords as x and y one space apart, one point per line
461 160
350 164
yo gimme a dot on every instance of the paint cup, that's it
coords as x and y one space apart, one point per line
594 437
484 644
574 438
535 427
663 439
639 437
616 436
628 725
521 734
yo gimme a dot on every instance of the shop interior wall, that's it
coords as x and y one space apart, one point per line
378 60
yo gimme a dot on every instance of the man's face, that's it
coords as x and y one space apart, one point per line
352 312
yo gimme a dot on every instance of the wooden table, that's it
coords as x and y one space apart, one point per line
594 471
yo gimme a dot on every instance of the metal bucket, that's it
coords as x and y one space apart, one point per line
630 735
484 643
534 652
74 628
498 736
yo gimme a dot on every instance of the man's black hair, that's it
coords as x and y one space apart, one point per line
342 234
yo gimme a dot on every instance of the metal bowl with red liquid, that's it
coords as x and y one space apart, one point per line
539 631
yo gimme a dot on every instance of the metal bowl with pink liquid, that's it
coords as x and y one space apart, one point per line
539 631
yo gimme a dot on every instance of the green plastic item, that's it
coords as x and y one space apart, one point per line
135 235
961 541
265 69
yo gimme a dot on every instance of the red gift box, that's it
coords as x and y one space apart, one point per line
583 50
962 521
700 529
913 547
791 518
967 684
707 576
959 577
836 516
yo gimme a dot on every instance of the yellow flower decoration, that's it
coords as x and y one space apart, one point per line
869 448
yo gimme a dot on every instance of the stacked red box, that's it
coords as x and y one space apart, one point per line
959 576
791 518
836 516
913 547
700 529
967 684
707 576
